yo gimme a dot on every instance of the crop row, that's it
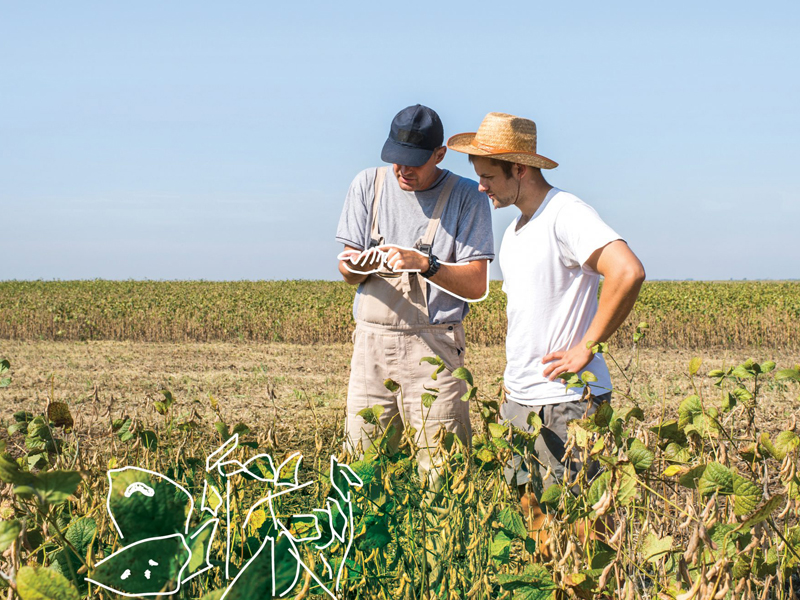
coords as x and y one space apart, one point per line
681 314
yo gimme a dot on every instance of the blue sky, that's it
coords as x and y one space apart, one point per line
209 140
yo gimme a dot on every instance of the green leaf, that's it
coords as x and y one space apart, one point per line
687 411
763 513
743 371
627 484
199 541
464 374
534 583
551 495
588 377
81 533
786 441
223 430
535 422
470 394
669 430
4 367
716 478
691 479
144 567
54 487
766 442
571 379
149 439
152 507
677 453
501 546
599 348
41 583
641 456
511 521
783 374
241 429
603 414
9 530
694 365
496 430
725 536
729 402
634 412
392 385
431 360
40 436
746 495
654 548
10 471
124 428
169 400
428 400
434 361
767 366
599 486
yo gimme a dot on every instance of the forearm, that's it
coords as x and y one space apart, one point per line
617 299
467 280
349 276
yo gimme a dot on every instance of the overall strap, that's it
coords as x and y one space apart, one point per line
380 175
426 241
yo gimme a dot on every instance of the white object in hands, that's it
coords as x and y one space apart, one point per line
356 258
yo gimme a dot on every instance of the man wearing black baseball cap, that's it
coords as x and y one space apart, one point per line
417 242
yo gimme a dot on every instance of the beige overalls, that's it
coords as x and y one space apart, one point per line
393 333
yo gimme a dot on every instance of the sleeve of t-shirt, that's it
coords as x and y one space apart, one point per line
474 238
580 232
353 223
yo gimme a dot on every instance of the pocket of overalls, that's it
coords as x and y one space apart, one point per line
442 343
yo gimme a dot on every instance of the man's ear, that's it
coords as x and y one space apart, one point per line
439 153
521 170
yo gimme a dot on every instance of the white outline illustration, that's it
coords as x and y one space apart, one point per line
362 258
283 479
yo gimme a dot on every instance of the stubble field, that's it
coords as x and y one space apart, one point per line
287 386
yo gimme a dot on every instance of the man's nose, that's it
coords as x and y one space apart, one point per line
482 188
406 170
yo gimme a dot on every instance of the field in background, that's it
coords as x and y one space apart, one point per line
681 314
293 388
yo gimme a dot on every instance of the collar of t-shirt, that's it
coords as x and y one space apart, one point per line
549 196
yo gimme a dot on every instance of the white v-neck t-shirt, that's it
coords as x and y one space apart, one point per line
551 295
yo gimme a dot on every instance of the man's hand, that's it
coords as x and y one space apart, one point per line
405 259
573 360
355 267
366 262
623 276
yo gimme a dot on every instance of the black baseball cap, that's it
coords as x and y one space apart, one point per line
415 133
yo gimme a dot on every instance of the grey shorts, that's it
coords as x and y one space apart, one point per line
549 446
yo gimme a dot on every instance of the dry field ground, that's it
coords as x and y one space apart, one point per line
288 386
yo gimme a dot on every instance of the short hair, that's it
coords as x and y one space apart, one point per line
504 164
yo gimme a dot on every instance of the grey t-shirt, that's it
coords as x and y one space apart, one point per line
464 233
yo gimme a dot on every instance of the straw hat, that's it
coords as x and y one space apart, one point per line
504 137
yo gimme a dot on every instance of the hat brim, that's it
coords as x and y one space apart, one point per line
408 156
462 142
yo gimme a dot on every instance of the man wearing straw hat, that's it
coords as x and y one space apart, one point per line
417 242
552 257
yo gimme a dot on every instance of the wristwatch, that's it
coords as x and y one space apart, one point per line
433 265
